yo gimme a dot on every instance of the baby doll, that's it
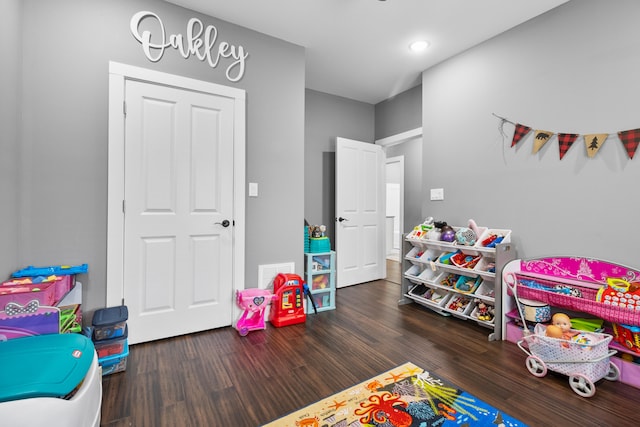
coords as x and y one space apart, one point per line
563 321
553 331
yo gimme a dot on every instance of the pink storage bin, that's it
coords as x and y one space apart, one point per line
61 284
45 293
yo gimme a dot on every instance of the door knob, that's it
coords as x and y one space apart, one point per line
225 223
340 219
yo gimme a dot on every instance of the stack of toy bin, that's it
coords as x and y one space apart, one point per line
109 337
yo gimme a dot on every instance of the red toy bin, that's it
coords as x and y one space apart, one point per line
627 335
115 362
44 293
111 346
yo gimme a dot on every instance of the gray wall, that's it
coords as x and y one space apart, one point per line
400 113
327 117
65 47
412 153
574 70
10 13
395 115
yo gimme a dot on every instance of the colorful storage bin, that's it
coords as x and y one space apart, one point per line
44 293
113 346
109 335
47 290
110 322
319 244
116 362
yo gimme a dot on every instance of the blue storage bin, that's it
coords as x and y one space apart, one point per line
319 244
109 322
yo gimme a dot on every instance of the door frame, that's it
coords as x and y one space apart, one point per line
118 74
389 142
400 161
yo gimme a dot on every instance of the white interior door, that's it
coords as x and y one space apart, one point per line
360 212
178 226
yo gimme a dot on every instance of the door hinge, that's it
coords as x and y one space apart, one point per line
123 206
124 108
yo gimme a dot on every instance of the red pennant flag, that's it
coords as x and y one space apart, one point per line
520 132
565 141
630 140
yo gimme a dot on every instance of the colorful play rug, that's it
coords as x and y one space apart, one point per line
406 396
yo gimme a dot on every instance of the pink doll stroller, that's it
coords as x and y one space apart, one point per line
254 303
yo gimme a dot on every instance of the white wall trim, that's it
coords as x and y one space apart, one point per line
399 138
400 161
118 74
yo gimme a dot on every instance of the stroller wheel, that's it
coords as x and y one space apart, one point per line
614 372
582 385
536 366
243 331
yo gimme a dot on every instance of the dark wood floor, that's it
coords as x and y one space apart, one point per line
217 378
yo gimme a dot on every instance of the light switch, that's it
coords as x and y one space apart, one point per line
437 194
253 189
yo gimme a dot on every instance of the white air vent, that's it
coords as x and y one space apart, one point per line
268 272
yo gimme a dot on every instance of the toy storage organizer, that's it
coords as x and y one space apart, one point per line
320 274
109 332
40 305
457 280
571 285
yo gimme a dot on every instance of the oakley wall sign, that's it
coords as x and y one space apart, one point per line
199 41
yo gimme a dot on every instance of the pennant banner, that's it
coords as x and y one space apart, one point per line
565 141
593 143
541 138
630 140
520 132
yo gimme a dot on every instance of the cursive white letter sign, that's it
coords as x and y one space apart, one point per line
200 41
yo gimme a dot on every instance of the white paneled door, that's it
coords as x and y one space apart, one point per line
360 212
178 222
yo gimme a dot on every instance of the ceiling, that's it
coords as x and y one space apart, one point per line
359 49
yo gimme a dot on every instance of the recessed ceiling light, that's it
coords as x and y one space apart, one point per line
419 46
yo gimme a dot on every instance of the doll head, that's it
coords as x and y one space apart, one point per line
553 331
562 321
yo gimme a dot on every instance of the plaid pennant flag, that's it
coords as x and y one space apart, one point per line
520 132
630 140
565 141
541 137
593 143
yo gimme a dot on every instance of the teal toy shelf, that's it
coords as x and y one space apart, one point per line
320 275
